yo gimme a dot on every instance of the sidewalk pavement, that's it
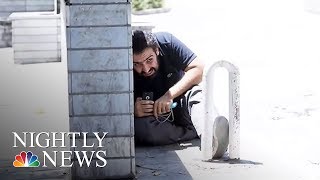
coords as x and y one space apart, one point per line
280 109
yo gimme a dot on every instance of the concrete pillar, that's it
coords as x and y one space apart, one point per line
101 82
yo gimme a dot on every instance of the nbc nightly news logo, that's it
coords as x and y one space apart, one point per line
33 140
26 160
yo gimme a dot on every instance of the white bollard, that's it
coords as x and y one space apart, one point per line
234 112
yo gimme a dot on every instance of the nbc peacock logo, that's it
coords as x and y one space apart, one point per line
26 160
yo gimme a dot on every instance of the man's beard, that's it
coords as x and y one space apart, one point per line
155 74
150 77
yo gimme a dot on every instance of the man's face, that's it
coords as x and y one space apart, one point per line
146 63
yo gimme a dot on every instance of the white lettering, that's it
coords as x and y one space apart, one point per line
47 140
100 139
43 139
54 139
53 161
101 158
31 139
73 137
63 158
16 136
85 157
85 140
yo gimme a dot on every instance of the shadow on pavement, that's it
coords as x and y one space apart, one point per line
8 172
179 161
226 160
162 162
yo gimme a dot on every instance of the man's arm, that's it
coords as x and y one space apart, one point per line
193 76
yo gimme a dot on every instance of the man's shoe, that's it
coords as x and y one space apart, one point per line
220 136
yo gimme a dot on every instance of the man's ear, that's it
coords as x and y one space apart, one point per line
157 52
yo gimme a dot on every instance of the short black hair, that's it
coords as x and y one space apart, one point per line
142 40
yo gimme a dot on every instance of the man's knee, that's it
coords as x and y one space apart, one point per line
148 131
145 130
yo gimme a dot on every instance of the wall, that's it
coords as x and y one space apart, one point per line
100 81
36 37
9 6
33 98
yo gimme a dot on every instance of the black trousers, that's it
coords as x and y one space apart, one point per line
150 131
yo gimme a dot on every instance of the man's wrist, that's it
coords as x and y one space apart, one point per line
169 94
